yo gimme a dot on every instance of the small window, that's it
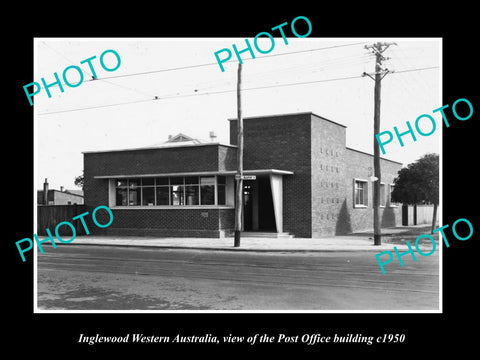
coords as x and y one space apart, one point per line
191 180
221 192
122 183
133 183
191 194
207 190
177 195
178 180
147 182
382 195
390 202
361 193
207 180
121 197
134 195
148 196
163 195
161 181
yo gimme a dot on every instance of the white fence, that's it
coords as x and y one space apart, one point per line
423 215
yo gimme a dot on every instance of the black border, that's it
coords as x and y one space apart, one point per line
426 333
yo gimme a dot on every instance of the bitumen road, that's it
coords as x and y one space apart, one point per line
107 278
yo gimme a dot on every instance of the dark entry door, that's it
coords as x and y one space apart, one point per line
258 206
266 215
249 191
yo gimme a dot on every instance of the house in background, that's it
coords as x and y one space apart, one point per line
308 183
58 197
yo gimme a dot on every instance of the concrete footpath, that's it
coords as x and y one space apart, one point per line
392 237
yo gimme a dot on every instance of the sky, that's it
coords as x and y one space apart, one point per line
194 97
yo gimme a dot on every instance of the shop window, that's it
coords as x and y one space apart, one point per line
192 195
148 181
148 196
177 195
207 190
162 181
221 191
171 191
121 197
163 195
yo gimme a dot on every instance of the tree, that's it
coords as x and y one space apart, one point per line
419 183
79 181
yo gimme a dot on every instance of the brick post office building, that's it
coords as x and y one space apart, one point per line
308 183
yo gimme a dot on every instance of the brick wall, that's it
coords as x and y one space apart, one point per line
169 222
317 199
208 157
357 166
282 142
197 222
328 174
227 158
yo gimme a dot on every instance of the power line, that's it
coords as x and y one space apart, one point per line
419 69
105 79
92 78
272 75
200 94
215 63
229 91
95 107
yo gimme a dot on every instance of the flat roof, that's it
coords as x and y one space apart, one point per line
363 152
160 147
200 173
290 114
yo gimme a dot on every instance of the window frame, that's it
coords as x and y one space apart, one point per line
364 204
390 203
384 204
125 185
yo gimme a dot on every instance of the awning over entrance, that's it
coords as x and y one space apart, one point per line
264 200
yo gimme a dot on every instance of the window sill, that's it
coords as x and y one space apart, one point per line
172 207
360 206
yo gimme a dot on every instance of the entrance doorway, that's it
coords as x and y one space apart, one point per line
258 212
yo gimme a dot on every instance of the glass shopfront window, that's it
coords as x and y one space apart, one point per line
171 191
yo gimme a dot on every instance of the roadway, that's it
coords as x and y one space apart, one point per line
83 277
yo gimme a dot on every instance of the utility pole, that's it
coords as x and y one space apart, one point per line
377 49
239 176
